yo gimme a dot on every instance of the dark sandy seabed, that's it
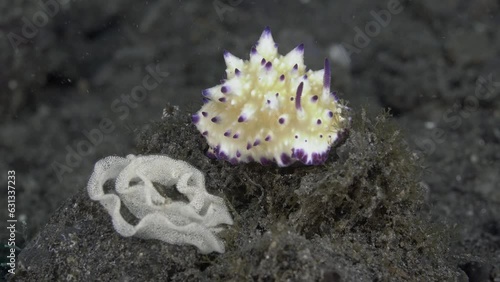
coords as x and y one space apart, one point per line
412 197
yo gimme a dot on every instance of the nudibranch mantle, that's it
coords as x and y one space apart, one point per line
270 109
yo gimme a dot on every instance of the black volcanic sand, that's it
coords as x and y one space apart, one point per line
410 197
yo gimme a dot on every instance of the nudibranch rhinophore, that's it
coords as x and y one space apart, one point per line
270 109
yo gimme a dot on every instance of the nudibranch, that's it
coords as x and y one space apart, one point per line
270 109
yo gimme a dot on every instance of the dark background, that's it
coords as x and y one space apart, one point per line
435 65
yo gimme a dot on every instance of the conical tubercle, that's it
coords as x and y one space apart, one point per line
295 57
266 46
232 62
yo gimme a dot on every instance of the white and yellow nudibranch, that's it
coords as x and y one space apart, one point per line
270 109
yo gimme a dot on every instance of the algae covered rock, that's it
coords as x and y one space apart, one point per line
365 203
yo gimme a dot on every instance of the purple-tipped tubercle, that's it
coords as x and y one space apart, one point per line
265 161
285 159
299 154
222 155
300 48
327 75
266 32
298 96
211 155
195 118
319 158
